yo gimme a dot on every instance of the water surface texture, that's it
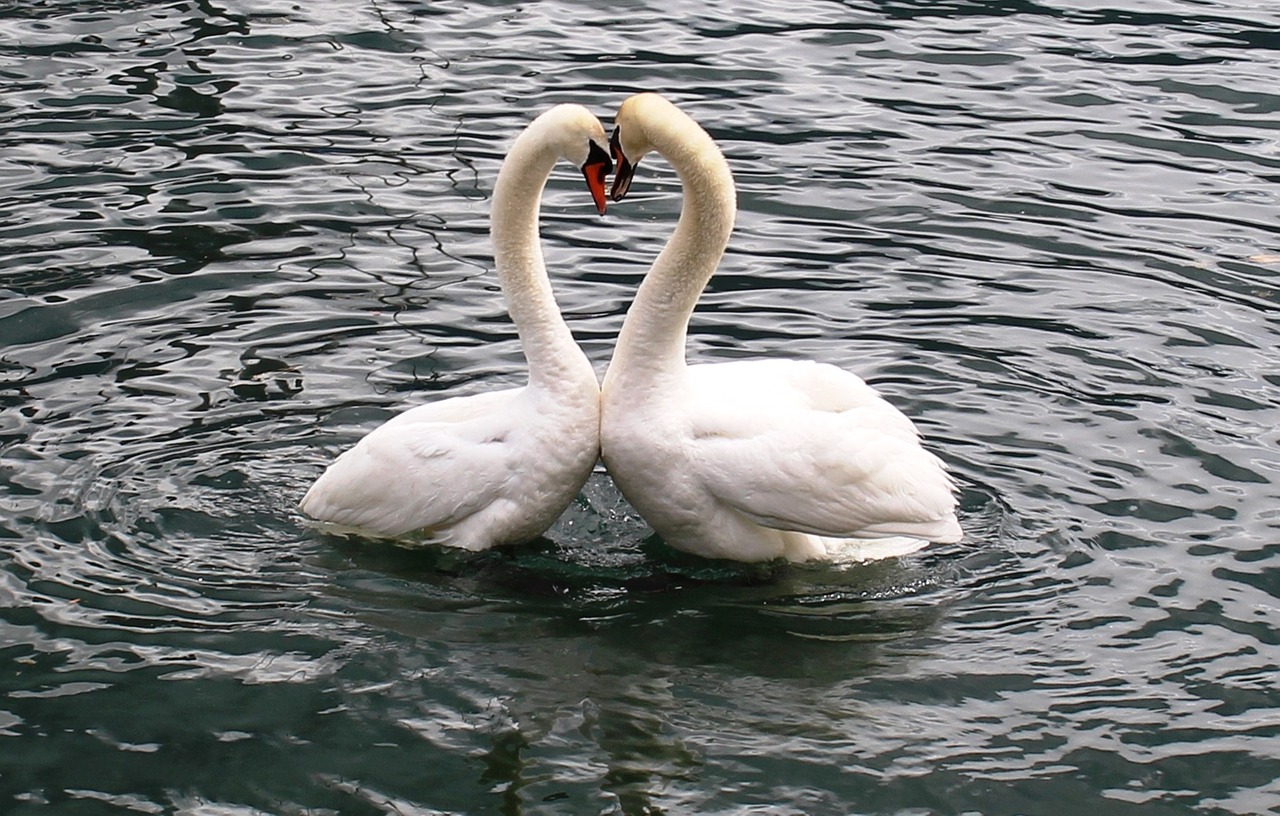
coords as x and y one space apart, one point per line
236 236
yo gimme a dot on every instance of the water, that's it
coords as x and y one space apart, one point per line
236 236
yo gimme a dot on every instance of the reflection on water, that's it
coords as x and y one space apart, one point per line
234 239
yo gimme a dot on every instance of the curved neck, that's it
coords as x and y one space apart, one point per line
651 344
553 355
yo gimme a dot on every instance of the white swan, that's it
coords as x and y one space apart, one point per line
497 468
748 460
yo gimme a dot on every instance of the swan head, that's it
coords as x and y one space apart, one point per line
578 137
644 120
630 142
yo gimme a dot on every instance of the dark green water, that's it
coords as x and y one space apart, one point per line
235 237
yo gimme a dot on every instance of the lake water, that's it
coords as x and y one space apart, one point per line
236 236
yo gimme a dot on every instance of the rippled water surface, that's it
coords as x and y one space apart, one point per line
236 236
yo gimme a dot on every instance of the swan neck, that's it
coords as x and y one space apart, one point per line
553 355
651 345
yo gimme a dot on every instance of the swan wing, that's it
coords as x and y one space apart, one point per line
422 471
811 448
778 385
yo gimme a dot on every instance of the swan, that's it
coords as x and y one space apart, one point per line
493 468
748 460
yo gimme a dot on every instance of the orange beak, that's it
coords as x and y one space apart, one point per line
596 170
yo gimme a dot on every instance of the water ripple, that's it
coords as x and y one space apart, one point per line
235 239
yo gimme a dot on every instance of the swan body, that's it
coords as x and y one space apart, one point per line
749 460
494 468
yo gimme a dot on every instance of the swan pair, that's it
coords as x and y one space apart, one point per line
750 461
